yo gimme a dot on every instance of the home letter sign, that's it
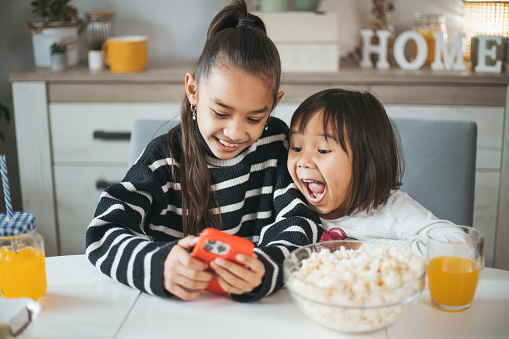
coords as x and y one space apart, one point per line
456 53
484 52
399 50
368 48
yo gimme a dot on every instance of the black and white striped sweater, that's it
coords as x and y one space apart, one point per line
139 220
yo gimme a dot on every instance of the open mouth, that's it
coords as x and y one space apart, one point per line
226 146
315 190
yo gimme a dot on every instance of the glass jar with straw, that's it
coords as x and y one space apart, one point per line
22 256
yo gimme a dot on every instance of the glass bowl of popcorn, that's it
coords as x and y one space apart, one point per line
354 286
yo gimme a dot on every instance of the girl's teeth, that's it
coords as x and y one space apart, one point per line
227 143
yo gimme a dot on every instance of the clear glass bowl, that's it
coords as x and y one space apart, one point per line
347 310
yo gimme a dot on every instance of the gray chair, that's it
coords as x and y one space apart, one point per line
440 166
144 131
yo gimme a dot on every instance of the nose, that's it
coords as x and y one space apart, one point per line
305 160
234 130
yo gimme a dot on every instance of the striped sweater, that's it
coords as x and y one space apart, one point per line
139 220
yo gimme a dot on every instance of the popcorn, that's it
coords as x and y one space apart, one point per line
358 290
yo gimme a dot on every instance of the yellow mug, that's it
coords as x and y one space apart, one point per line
126 54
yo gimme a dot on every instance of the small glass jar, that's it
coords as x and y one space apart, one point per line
100 26
426 25
22 258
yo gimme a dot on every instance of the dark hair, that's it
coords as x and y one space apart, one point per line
360 119
248 48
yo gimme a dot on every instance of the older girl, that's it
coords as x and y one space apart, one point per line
224 166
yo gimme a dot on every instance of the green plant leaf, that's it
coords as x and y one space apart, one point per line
56 48
54 10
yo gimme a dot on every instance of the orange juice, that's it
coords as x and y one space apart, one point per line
452 280
22 274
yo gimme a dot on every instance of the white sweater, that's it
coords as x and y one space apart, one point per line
401 221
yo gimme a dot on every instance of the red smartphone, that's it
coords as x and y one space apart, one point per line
214 243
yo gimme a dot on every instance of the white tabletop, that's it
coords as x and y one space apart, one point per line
83 303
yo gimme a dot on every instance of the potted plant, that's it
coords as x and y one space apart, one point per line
4 114
58 53
95 60
56 20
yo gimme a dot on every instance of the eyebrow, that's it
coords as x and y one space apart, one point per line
220 103
292 132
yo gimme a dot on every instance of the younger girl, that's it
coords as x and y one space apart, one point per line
344 157
224 166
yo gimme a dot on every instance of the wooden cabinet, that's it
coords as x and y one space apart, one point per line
61 162
90 148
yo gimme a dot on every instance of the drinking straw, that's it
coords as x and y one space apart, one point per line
5 183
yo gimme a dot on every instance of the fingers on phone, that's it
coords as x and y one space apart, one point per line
251 262
238 278
188 241
234 284
187 260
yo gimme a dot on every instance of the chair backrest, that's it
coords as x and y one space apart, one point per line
144 131
440 160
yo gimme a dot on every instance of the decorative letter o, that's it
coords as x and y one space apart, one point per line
399 47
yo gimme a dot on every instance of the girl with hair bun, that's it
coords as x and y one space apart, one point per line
223 166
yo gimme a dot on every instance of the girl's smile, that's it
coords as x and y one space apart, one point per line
226 146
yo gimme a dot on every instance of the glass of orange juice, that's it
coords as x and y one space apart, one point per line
22 264
455 259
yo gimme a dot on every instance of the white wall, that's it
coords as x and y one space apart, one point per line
176 29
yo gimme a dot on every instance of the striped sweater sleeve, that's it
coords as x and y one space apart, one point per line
295 225
116 240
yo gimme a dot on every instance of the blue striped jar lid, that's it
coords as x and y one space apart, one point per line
21 223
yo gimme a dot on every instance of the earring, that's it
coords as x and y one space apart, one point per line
267 125
192 108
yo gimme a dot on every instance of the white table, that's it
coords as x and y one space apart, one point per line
83 303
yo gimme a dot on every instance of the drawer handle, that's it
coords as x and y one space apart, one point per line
112 135
103 184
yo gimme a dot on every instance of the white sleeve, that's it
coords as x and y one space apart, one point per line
411 222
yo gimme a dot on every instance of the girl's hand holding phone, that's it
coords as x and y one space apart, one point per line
239 279
184 276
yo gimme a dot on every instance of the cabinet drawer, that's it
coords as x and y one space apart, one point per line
99 132
77 196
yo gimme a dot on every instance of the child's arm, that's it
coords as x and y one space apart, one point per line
411 222
295 226
121 239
